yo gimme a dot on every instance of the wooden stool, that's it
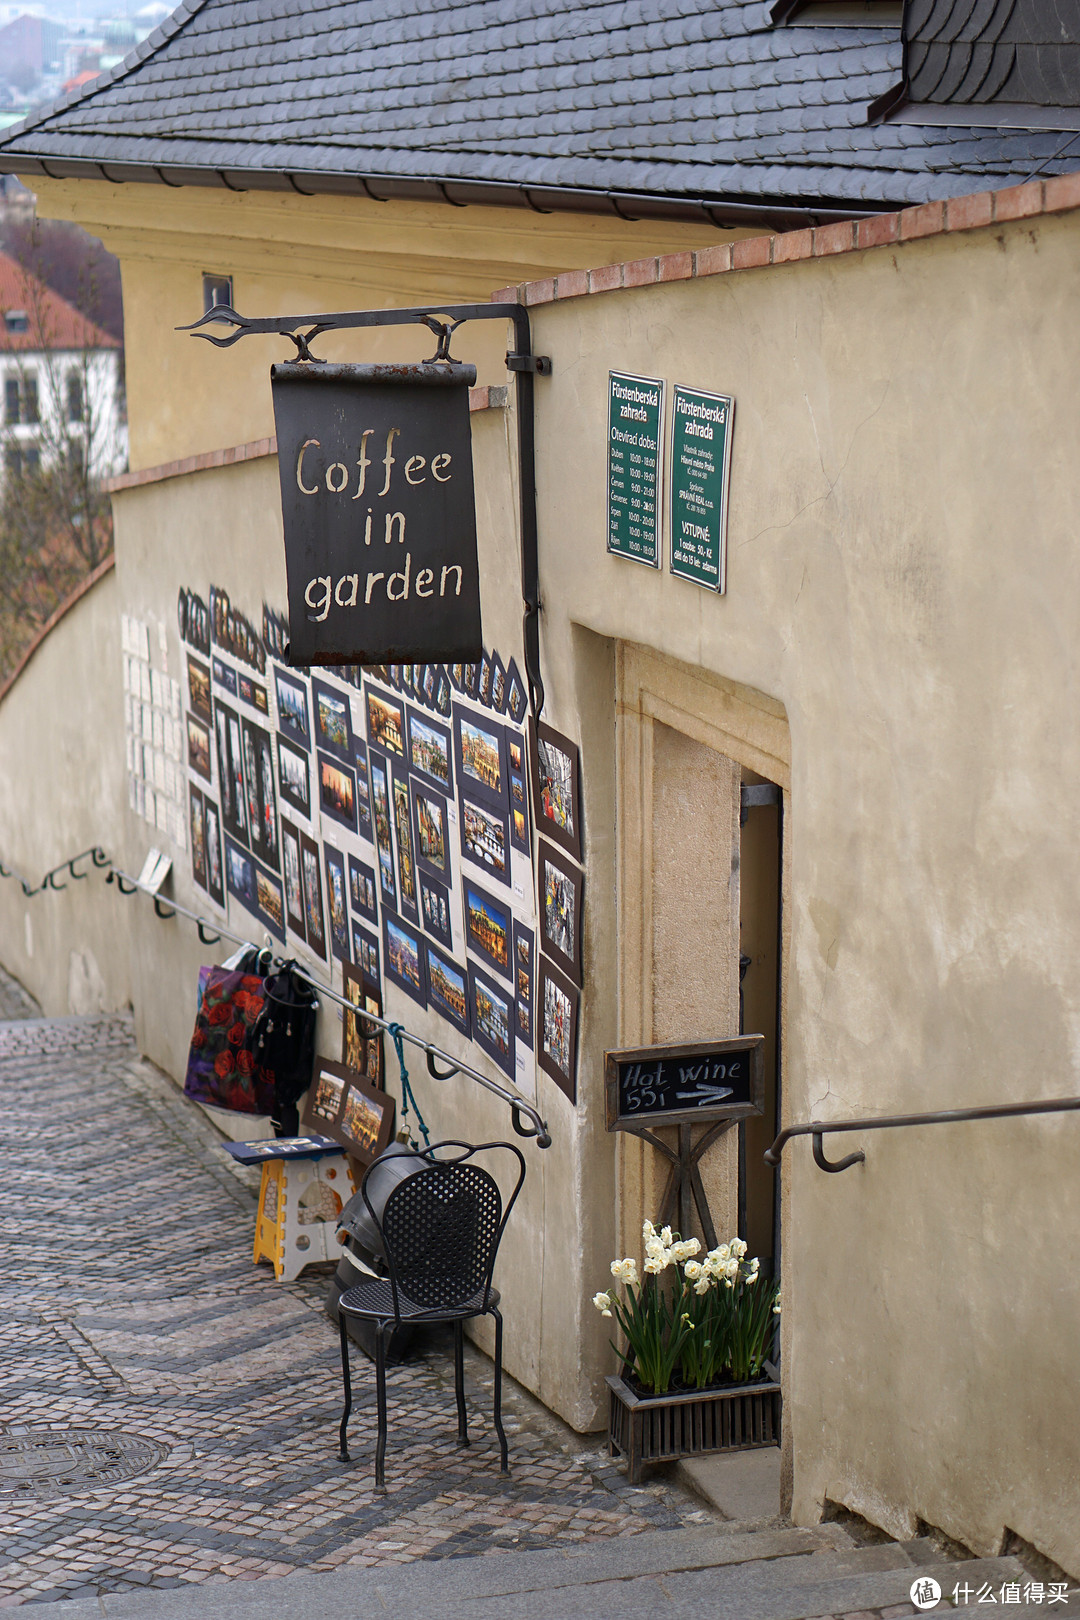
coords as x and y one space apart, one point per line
292 1169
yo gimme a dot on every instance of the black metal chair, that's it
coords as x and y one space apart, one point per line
440 1229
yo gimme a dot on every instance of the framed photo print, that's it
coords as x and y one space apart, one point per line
486 673
333 732
432 832
366 953
197 816
520 836
524 981
361 1041
498 684
517 701
270 901
385 723
337 791
402 956
556 1039
472 680
262 800
448 988
311 878
430 751
363 792
337 908
294 777
199 689
231 773
362 890
240 874
380 815
457 677
442 693
480 746
292 708
556 795
484 838
198 747
487 927
212 823
406 857
224 676
324 1099
560 886
367 1119
435 911
294 889
492 1009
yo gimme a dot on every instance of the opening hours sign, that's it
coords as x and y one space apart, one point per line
635 466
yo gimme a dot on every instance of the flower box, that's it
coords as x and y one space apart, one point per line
660 1428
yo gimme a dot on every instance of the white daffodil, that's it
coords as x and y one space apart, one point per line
602 1303
738 1247
703 1284
692 1270
654 1248
625 1270
666 1237
776 1307
654 1265
683 1251
719 1255
648 1230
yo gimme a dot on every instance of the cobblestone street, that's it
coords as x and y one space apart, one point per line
135 1327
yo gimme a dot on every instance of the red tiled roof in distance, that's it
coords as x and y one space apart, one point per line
54 323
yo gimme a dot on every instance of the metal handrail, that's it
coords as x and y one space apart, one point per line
97 856
434 1054
950 1116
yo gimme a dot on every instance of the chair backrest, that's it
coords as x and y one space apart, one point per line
442 1227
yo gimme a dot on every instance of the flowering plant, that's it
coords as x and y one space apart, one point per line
715 1317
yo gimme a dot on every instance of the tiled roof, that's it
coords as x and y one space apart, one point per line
52 323
676 99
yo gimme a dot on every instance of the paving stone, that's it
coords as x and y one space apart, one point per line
128 1302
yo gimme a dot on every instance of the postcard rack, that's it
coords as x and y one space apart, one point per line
440 1065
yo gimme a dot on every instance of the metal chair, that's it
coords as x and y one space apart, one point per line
440 1229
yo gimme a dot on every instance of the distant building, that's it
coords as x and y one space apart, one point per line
60 379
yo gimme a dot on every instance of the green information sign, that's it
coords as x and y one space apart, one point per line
700 460
635 466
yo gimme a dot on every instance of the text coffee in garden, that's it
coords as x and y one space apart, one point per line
379 512
635 466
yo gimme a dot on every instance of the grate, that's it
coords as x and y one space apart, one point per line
62 1462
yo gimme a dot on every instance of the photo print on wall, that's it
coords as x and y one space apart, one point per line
481 757
292 707
524 980
294 777
487 927
363 791
294 889
435 911
406 858
311 878
197 818
198 741
214 873
448 988
231 772
333 731
362 890
402 956
492 1013
337 791
556 794
361 1041
432 840
430 751
386 723
559 888
484 838
557 1035
337 909
262 801
199 689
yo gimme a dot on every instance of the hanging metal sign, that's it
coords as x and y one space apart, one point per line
635 466
379 512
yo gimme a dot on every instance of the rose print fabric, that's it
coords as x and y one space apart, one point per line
222 1069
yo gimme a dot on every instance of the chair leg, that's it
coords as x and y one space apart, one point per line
459 1384
343 1450
380 1385
499 1430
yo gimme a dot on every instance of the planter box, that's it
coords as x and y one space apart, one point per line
660 1428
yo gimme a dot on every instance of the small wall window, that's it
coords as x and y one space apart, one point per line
216 290
16 320
12 403
75 402
22 460
30 399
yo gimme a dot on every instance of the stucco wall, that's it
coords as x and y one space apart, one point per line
63 785
903 579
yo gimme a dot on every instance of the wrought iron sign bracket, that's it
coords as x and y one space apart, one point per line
443 320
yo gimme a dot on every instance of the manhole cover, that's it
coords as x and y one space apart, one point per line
61 1462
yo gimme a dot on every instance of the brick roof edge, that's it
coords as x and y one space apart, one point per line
1058 195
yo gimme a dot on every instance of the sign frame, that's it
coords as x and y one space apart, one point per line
656 561
708 398
614 1061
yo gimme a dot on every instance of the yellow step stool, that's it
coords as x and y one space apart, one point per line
305 1182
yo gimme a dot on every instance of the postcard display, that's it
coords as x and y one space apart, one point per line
384 819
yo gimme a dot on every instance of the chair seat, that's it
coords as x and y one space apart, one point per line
374 1300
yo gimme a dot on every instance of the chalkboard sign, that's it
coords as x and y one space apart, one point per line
700 464
683 1085
635 466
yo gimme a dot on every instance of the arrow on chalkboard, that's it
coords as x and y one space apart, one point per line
705 1094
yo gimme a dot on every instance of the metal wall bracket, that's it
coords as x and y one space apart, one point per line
539 364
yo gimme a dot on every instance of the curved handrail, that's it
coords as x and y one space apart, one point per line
96 854
520 1110
888 1122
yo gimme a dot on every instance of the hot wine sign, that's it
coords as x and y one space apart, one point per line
379 512
685 1085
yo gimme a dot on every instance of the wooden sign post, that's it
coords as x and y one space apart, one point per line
710 1083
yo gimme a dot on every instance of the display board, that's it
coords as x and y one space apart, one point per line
700 463
635 467
686 1084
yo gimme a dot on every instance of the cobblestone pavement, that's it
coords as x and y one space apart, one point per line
129 1304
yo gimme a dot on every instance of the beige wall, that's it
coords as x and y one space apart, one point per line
902 580
289 255
62 766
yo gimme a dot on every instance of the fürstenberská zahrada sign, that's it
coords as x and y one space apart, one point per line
379 512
